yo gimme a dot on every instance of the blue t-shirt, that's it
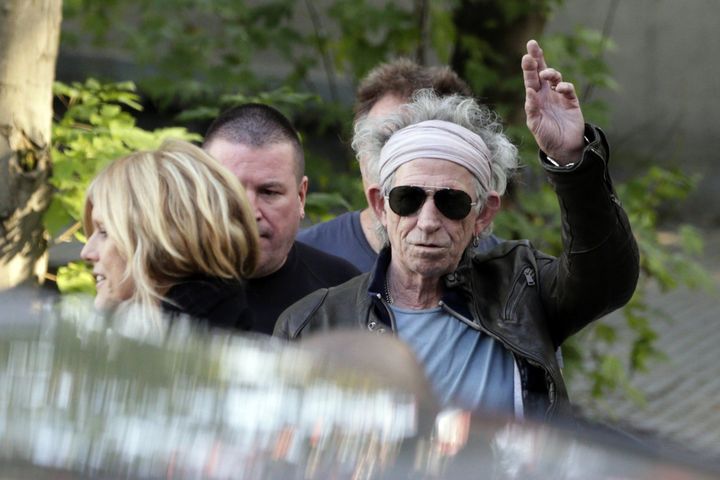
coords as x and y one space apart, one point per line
343 237
466 368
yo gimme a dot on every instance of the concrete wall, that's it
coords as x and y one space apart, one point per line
667 110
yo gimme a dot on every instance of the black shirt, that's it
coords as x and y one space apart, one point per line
305 270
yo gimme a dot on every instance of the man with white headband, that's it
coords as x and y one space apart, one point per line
485 326
357 236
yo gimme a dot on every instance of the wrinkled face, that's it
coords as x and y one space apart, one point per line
427 243
269 177
108 267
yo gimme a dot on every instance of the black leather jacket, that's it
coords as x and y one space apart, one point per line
529 301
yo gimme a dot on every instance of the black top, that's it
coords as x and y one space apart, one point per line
305 270
216 302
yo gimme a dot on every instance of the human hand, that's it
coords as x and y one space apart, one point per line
552 108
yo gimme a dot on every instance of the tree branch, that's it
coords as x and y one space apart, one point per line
324 54
422 12
607 25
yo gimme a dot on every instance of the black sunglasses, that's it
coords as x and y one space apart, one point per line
405 200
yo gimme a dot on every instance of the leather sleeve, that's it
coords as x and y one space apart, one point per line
292 321
282 328
343 306
599 267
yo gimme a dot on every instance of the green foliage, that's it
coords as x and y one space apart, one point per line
320 206
668 265
363 44
75 277
334 193
284 99
201 48
442 31
95 128
580 57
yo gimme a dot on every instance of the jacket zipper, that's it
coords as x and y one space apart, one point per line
391 315
515 295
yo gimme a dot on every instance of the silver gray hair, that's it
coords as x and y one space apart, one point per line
371 134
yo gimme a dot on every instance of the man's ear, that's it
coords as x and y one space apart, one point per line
488 212
377 202
302 193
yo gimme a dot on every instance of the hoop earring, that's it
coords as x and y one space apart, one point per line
476 241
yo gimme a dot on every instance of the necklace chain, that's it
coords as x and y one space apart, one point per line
388 297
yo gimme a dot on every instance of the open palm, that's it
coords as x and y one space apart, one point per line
552 108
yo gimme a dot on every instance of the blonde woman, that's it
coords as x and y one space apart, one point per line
171 231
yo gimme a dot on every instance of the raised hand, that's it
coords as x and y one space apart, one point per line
552 108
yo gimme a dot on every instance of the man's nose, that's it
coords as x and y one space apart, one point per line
429 217
253 200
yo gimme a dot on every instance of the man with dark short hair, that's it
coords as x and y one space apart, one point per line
357 236
262 148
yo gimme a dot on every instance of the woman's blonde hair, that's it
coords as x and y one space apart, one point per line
174 213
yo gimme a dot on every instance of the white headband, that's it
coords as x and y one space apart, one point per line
440 140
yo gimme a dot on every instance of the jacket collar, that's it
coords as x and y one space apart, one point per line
456 294
198 295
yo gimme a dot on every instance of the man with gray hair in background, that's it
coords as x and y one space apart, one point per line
485 326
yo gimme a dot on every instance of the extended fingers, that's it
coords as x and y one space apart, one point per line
533 63
534 50
530 72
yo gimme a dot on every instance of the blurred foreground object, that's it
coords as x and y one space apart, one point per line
86 396
106 397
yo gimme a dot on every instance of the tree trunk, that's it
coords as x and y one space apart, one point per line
492 34
29 37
